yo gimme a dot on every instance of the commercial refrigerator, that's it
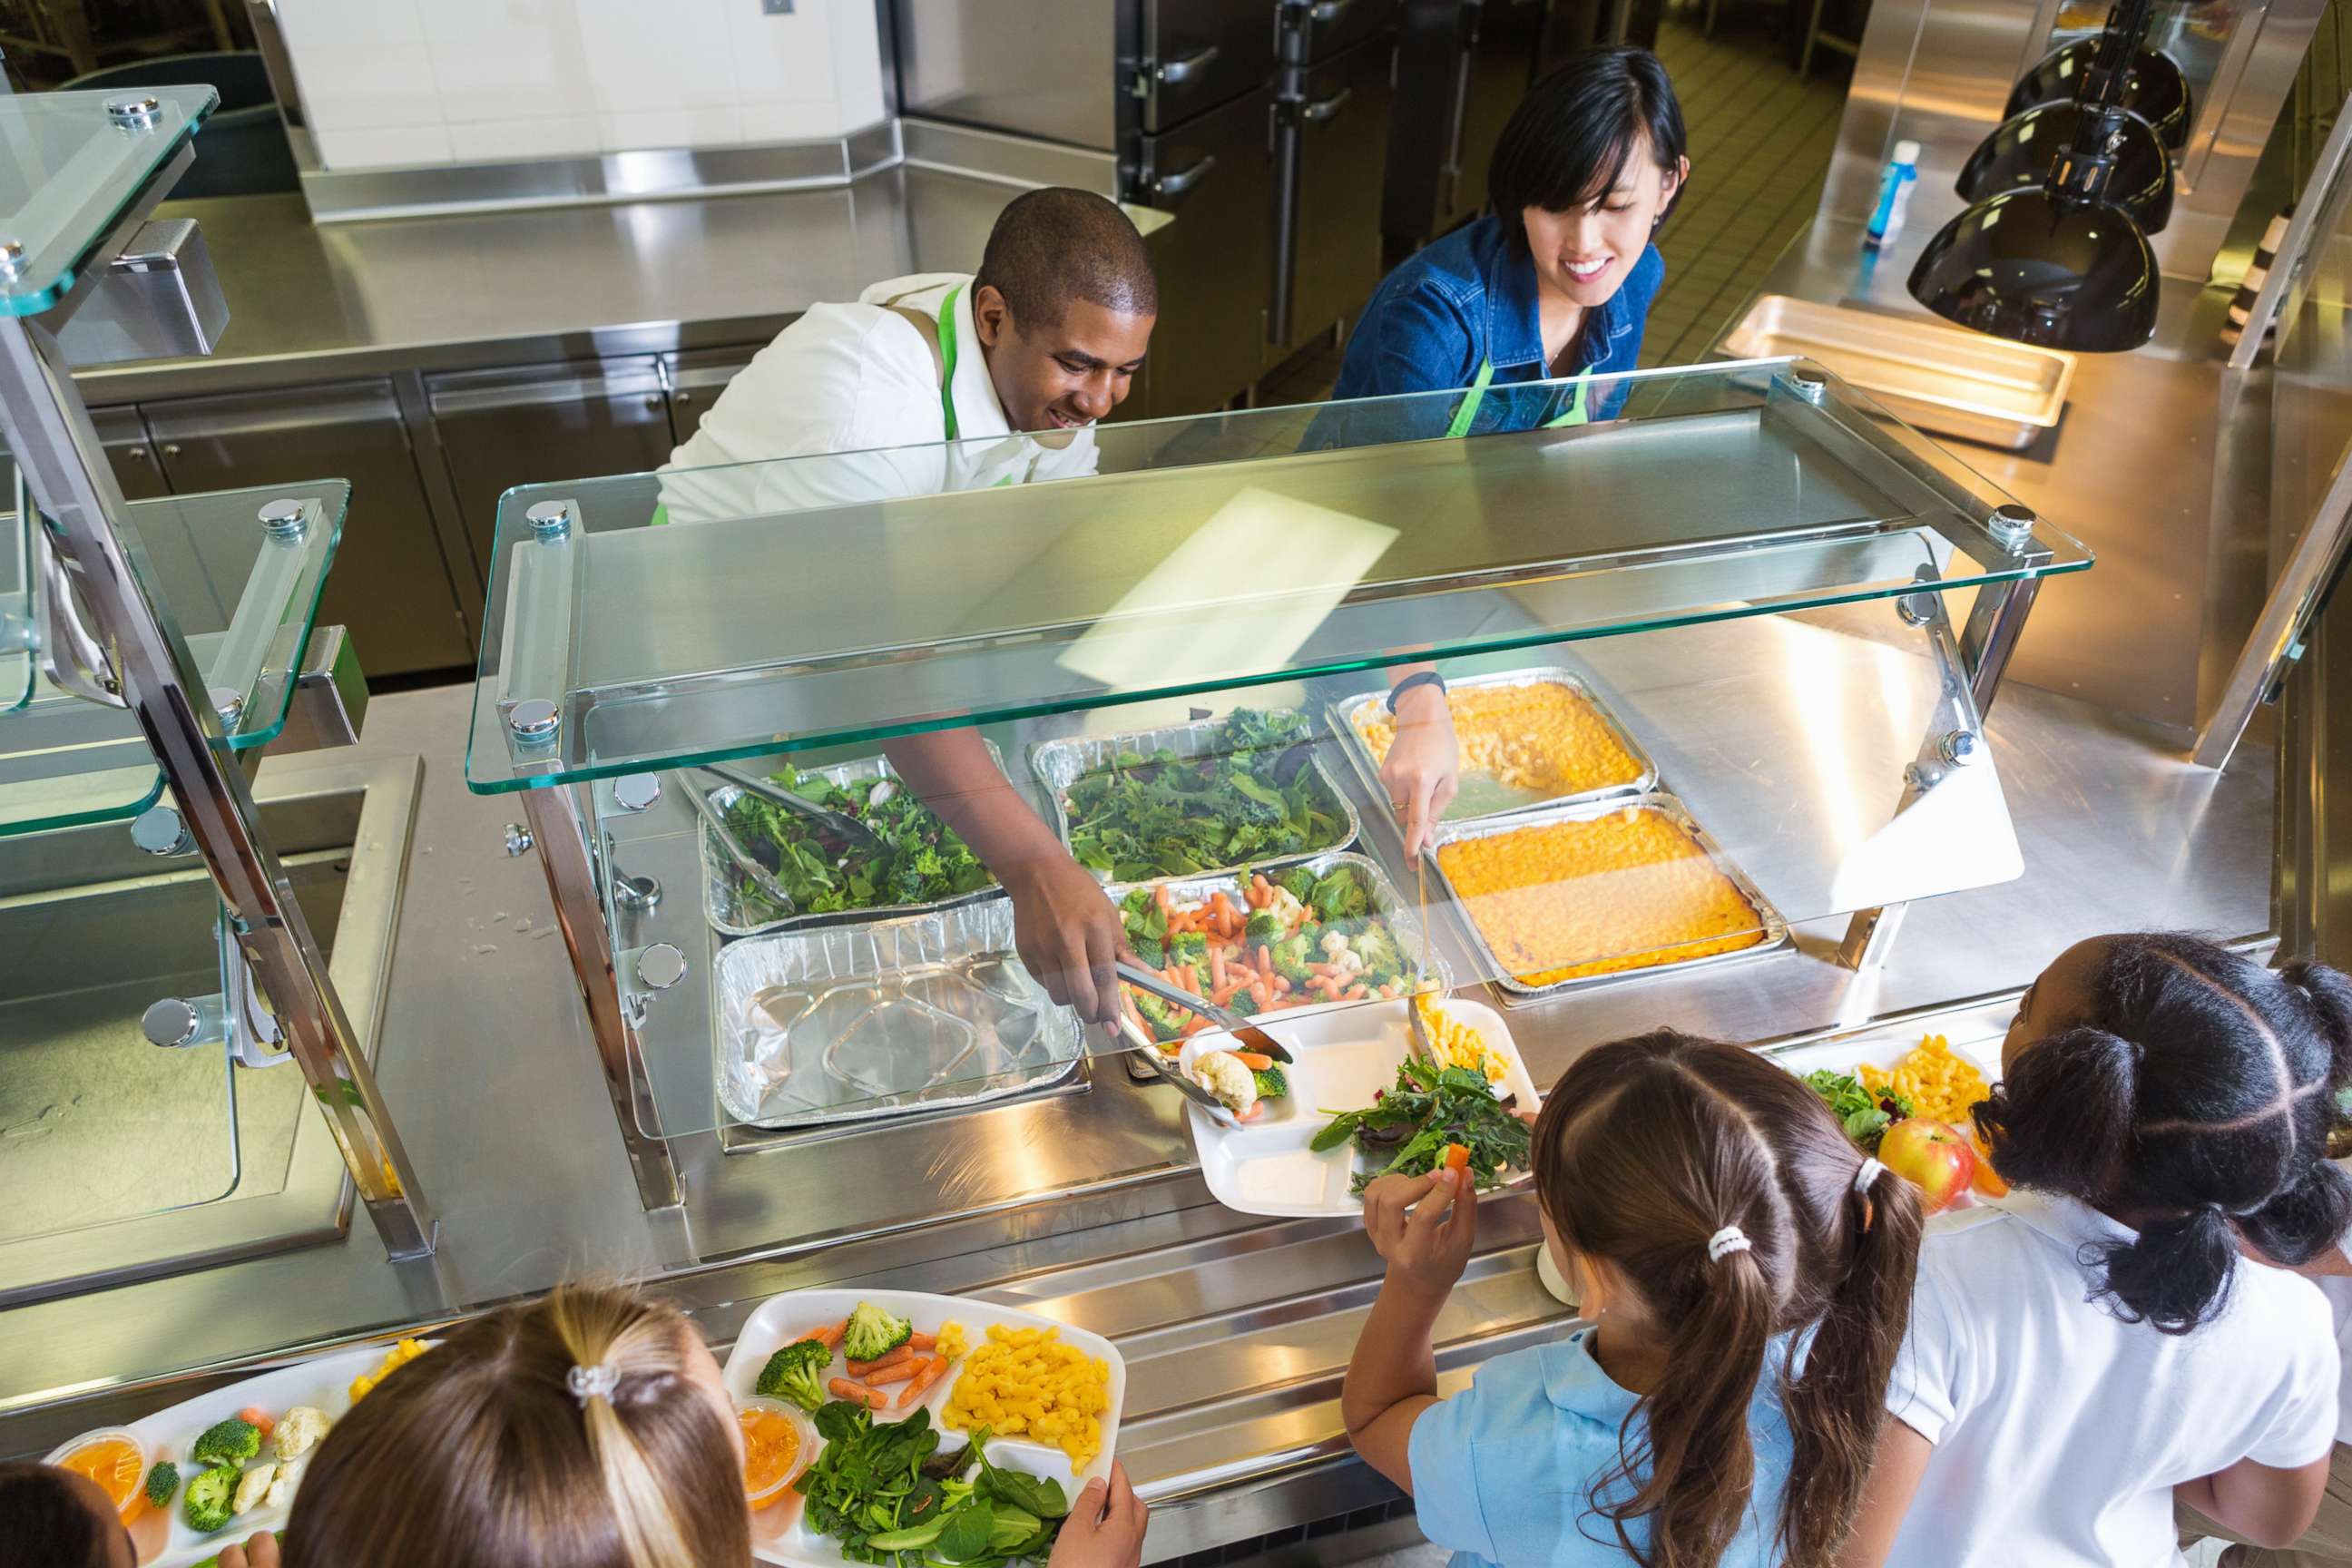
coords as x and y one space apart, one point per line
1461 69
1330 151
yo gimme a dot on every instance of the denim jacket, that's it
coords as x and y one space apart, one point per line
1472 297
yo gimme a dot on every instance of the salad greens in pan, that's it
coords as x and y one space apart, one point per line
1253 795
922 862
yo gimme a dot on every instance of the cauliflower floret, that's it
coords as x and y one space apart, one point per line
1335 943
1223 1074
252 1487
1350 959
1286 903
281 1488
298 1431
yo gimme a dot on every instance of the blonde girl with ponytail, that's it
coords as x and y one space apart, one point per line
588 1429
1745 1276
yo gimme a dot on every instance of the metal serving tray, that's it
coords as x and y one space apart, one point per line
1938 378
1387 902
1466 807
722 902
1059 764
854 1023
1775 929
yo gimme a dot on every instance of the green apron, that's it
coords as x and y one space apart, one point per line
1468 410
946 385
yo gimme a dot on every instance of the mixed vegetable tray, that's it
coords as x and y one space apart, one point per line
1360 1101
922 864
1528 738
885 1471
214 1470
1184 800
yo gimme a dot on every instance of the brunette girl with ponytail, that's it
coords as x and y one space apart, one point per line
1747 1273
2100 1341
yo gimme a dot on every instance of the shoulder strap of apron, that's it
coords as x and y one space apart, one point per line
1466 410
939 336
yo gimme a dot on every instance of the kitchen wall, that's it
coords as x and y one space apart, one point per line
407 83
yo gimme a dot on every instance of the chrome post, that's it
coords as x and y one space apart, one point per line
557 832
49 431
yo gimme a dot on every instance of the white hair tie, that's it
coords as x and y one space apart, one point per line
587 1382
1867 1176
1726 1242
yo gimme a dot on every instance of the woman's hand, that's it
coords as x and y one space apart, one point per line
1424 1226
259 1550
1105 1529
1422 771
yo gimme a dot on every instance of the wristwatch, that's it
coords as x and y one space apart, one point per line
1419 677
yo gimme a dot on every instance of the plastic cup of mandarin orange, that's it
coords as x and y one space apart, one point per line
778 1442
116 1460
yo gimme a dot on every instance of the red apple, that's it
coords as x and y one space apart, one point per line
1932 1157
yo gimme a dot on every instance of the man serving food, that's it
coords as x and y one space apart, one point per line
1012 364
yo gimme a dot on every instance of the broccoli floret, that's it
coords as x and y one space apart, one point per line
162 1481
1376 946
1292 955
1338 897
1271 1083
211 1502
874 1333
1148 950
1300 882
1166 1023
1188 947
796 1373
1265 925
229 1442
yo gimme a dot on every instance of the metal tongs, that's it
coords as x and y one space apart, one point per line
840 826
743 859
1248 1034
1147 1050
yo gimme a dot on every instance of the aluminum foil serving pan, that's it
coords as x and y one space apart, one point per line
852 1023
1059 764
1772 930
730 914
1482 795
1387 902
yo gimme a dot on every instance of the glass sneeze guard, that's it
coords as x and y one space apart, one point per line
1708 576
245 594
1182 568
70 163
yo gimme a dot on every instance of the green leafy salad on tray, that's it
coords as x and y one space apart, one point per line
1865 1113
1431 1115
1253 795
922 862
890 1498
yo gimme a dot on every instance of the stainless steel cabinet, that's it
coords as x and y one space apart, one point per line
1197 53
695 380
129 453
390 584
1216 174
1321 28
500 428
1333 149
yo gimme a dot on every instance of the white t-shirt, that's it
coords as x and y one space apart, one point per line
2060 1430
2338 1293
844 385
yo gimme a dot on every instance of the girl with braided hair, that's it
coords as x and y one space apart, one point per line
2100 1344
1746 1272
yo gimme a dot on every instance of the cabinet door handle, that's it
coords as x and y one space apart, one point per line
1328 10
682 398
1183 180
1317 112
138 453
171 448
1185 67
653 401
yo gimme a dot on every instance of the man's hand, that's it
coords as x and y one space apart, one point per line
1067 932
1422 771
1427 1248
1105 1529
259 1550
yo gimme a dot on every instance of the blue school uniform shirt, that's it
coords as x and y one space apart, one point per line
1503 1473
1471 297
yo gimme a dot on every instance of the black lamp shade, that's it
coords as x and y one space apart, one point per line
2019 154
2154 88
2038 269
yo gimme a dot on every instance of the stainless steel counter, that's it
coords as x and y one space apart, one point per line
1085 1205
317 303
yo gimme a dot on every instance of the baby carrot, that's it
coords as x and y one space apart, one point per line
925 1343
897 1371
1257 1061
865 1368
858 1393
1457 1157
1263 995
929 1375
828 1335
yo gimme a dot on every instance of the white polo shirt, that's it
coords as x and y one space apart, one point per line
2060 1430
858 382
